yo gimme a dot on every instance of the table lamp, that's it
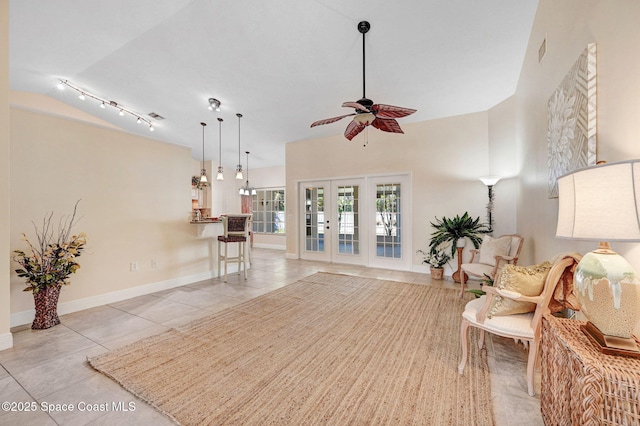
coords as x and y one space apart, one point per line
602 203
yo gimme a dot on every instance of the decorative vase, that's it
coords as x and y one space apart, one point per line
461 242
437 273
46 302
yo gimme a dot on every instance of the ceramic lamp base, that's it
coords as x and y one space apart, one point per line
610 345
608 290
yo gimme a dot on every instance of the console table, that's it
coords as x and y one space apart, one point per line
580 385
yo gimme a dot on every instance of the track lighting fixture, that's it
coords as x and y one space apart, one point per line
83 94
239 168
214 104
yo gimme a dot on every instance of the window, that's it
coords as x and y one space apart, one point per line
268 211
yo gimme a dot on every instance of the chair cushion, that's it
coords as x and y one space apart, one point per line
492 247
511 325
477 270
526 280
232 238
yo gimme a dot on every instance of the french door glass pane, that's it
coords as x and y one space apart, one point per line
348 220
314 226
388 221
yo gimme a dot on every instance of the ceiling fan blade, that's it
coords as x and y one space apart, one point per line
330 120
390 111
386 125
355 105
353 129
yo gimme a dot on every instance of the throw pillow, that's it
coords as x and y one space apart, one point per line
526 280
492 247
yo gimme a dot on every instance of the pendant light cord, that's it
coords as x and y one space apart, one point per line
203 124
219 142
239 117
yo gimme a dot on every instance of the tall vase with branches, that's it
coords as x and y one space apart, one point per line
47 264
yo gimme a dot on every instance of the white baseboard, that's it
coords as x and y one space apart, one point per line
6 341
291 256
270 246
26 317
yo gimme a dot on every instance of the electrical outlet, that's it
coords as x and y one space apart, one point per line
134 266
154 263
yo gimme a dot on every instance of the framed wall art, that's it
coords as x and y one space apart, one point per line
571 132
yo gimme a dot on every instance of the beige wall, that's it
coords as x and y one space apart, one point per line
569 26
136 204
5 166
502 162
445 158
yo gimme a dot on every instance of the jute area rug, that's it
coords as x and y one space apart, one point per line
326 350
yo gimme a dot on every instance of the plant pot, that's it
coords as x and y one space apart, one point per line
437 273
46 302
461 242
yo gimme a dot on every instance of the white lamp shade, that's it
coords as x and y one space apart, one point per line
490 180
600 203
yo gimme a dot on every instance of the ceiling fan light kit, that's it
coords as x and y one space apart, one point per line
381 116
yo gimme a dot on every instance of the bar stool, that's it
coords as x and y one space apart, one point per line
235 231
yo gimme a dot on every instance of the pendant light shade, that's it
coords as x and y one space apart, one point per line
239 168
220 175
246 189
203 172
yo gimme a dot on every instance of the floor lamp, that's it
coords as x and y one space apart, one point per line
490 181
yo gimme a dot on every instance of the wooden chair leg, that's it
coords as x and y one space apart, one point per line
219 258
464 335
226 262
531 367
481 339
244 259
462 283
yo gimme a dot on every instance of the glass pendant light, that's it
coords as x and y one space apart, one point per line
246 189
203 172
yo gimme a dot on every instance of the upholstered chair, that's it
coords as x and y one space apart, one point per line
493 254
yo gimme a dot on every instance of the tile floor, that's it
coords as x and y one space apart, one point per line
48 368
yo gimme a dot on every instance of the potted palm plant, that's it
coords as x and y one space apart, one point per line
453 232
48 264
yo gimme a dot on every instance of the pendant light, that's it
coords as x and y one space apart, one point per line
239 168
203 172
220 175
246 189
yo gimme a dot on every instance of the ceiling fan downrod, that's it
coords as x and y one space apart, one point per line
363 28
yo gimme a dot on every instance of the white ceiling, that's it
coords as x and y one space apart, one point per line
283 64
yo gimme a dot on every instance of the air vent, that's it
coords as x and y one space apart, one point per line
156 116
542 50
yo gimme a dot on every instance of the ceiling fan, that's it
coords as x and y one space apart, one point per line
380 116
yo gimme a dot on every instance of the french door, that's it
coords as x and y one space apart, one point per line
332 223
357 221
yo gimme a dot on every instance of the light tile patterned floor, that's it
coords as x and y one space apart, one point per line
48 368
